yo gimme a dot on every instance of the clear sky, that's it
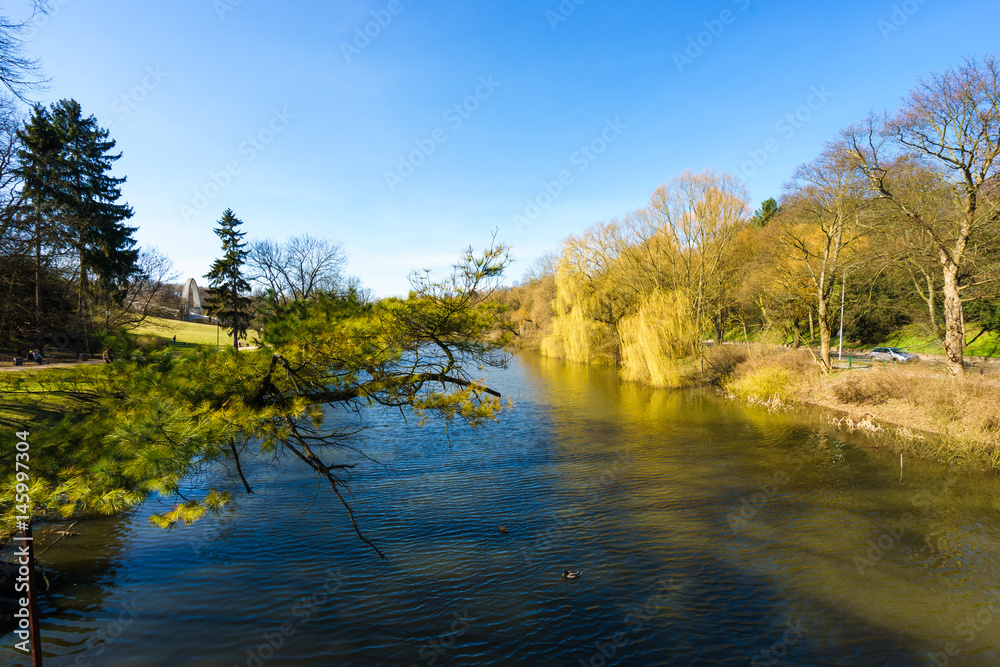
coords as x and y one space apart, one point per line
446 119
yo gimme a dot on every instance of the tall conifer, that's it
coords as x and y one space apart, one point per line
39 167
90 210
227 283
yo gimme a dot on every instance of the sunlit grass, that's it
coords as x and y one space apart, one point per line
913 338
916 339
189 334
32 395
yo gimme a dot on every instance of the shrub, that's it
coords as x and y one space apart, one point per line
721 361
869 388
147 344
764 384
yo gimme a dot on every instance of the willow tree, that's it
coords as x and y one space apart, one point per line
823 222
703 215
588 298
656 338
947 131
151 421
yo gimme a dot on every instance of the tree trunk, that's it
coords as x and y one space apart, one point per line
812 331
38 285
824 333
931 310
85 308
954 331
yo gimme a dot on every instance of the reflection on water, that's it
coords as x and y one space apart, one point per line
708 533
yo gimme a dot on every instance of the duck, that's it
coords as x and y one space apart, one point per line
572 574
502 529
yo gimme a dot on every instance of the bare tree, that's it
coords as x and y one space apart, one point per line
10 123
702 216
299 268
21 75
540 268
266 266
936 160
149 285
822 220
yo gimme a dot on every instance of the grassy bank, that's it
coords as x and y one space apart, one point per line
916 339
954 420
189 334
912 337
31 396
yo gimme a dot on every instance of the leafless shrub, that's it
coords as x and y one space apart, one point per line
722 360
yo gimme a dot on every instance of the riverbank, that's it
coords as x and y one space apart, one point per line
918 409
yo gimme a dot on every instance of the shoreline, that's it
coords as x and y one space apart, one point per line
916 409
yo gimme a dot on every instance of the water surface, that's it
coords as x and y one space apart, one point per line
709 533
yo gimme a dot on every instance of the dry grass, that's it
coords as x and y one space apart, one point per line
964 411
769 376
867 388
934 415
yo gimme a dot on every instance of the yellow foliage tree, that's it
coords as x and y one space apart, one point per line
657 338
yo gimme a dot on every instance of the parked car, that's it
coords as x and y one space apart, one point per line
892 354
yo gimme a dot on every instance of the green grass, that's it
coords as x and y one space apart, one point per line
912 338
32 395
189 334
915 339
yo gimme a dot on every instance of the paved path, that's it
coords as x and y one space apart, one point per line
56 364
66 364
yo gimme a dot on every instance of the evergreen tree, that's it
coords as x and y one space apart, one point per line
227 283
103 244
145 423
40 170
763 215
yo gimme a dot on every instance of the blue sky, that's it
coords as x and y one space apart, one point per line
448 120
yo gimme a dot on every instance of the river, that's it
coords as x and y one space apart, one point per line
708 533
